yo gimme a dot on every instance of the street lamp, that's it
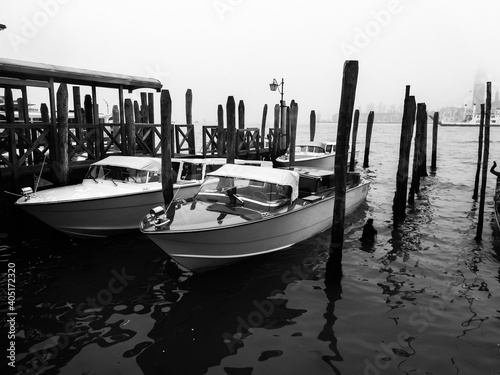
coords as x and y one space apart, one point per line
276 86
2 27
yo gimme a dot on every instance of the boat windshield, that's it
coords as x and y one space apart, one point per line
310 149
249 193
121 174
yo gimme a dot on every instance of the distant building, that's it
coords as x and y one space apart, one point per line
453 114
381 118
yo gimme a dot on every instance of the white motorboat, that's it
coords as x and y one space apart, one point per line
314 154
242 211
115 193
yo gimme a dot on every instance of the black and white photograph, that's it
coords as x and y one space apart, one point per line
249 187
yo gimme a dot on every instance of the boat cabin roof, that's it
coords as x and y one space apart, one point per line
271 175
312 172
136 162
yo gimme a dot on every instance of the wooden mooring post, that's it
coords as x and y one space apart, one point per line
130 128
479 154
399 207
189 107
220 130
276 134
241 115
62 169
231 130
368 139
312 125
486 154
435 126
352 161
166 148
349 82
418 152
294 111
263 127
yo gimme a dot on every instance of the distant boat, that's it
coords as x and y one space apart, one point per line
474 120
241 212
313 154
115 193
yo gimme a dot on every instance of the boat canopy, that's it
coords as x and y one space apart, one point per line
271 175
135 162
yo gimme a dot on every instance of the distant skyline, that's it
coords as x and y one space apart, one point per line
220 48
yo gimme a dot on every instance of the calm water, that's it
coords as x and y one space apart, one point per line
424 299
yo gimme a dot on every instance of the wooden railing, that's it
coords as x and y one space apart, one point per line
24 147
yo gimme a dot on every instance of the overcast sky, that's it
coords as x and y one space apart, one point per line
219 48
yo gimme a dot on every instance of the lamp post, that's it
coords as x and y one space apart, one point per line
2 27
276 86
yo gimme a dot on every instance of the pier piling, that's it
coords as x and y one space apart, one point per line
231 130
486 154
62 169
241 115
479 154
263 127
348 94
220 130
294 110
189 107
166 147
312 125
368 139
276 134
352 162
435 126
418 152
130 126
408 122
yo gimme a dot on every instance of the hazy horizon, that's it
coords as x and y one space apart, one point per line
221 48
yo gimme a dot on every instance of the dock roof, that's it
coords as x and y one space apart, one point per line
44 72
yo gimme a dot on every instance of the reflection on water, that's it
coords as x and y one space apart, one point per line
423 298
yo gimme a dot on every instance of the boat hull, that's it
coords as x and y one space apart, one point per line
101 217
203 250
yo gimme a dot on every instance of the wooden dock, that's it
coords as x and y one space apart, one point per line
29 146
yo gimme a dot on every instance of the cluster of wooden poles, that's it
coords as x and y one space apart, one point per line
482 158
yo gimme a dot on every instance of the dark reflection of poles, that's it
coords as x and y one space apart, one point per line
333 292
349 82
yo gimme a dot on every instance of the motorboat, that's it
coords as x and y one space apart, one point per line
115 193
242 211
314 154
